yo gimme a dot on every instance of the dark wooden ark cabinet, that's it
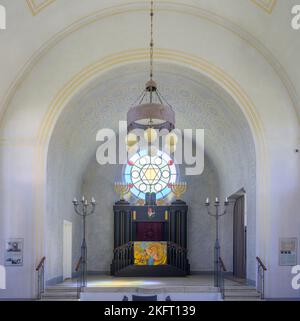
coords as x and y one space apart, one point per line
150 223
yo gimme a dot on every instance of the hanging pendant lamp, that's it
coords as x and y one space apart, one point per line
152 111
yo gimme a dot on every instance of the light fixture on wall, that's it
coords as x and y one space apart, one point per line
152 111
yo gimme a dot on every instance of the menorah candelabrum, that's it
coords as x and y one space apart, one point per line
122 190
217 249
84 209
178 190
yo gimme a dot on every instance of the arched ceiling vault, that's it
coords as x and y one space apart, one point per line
33 31
198 102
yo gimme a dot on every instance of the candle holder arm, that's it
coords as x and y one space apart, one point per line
210 214
77 211
92 209
224 213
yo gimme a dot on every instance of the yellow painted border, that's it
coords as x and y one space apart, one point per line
266 7
36 9
80 80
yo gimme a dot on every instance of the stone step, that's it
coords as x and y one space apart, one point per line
60 299
241 294
67 295
61 289
60 293
241 299
239 287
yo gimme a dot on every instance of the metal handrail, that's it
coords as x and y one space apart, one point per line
261 263
40 269
177 246
41 263
261 269
123 255
170 244
222 278
79 269
126 245
78 264
222 265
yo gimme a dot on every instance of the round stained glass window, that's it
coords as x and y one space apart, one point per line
150 174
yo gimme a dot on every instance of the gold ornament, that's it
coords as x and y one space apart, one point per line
140 202
131 139
178 189
122 189
150 135
132 149
171 139
170 149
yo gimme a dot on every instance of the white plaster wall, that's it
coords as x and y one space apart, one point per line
63 184
16 218
222 48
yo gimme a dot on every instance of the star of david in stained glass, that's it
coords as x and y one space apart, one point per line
150 174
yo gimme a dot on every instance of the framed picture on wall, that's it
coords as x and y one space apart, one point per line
14 252
288 251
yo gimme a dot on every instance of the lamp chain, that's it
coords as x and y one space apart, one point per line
151 41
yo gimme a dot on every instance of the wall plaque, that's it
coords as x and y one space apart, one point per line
14 252
288 251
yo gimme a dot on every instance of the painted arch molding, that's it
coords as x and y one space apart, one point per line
36 6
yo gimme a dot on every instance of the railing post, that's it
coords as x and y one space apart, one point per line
261 269
263 284
78 269
222 270
41 278
39 286
258 279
